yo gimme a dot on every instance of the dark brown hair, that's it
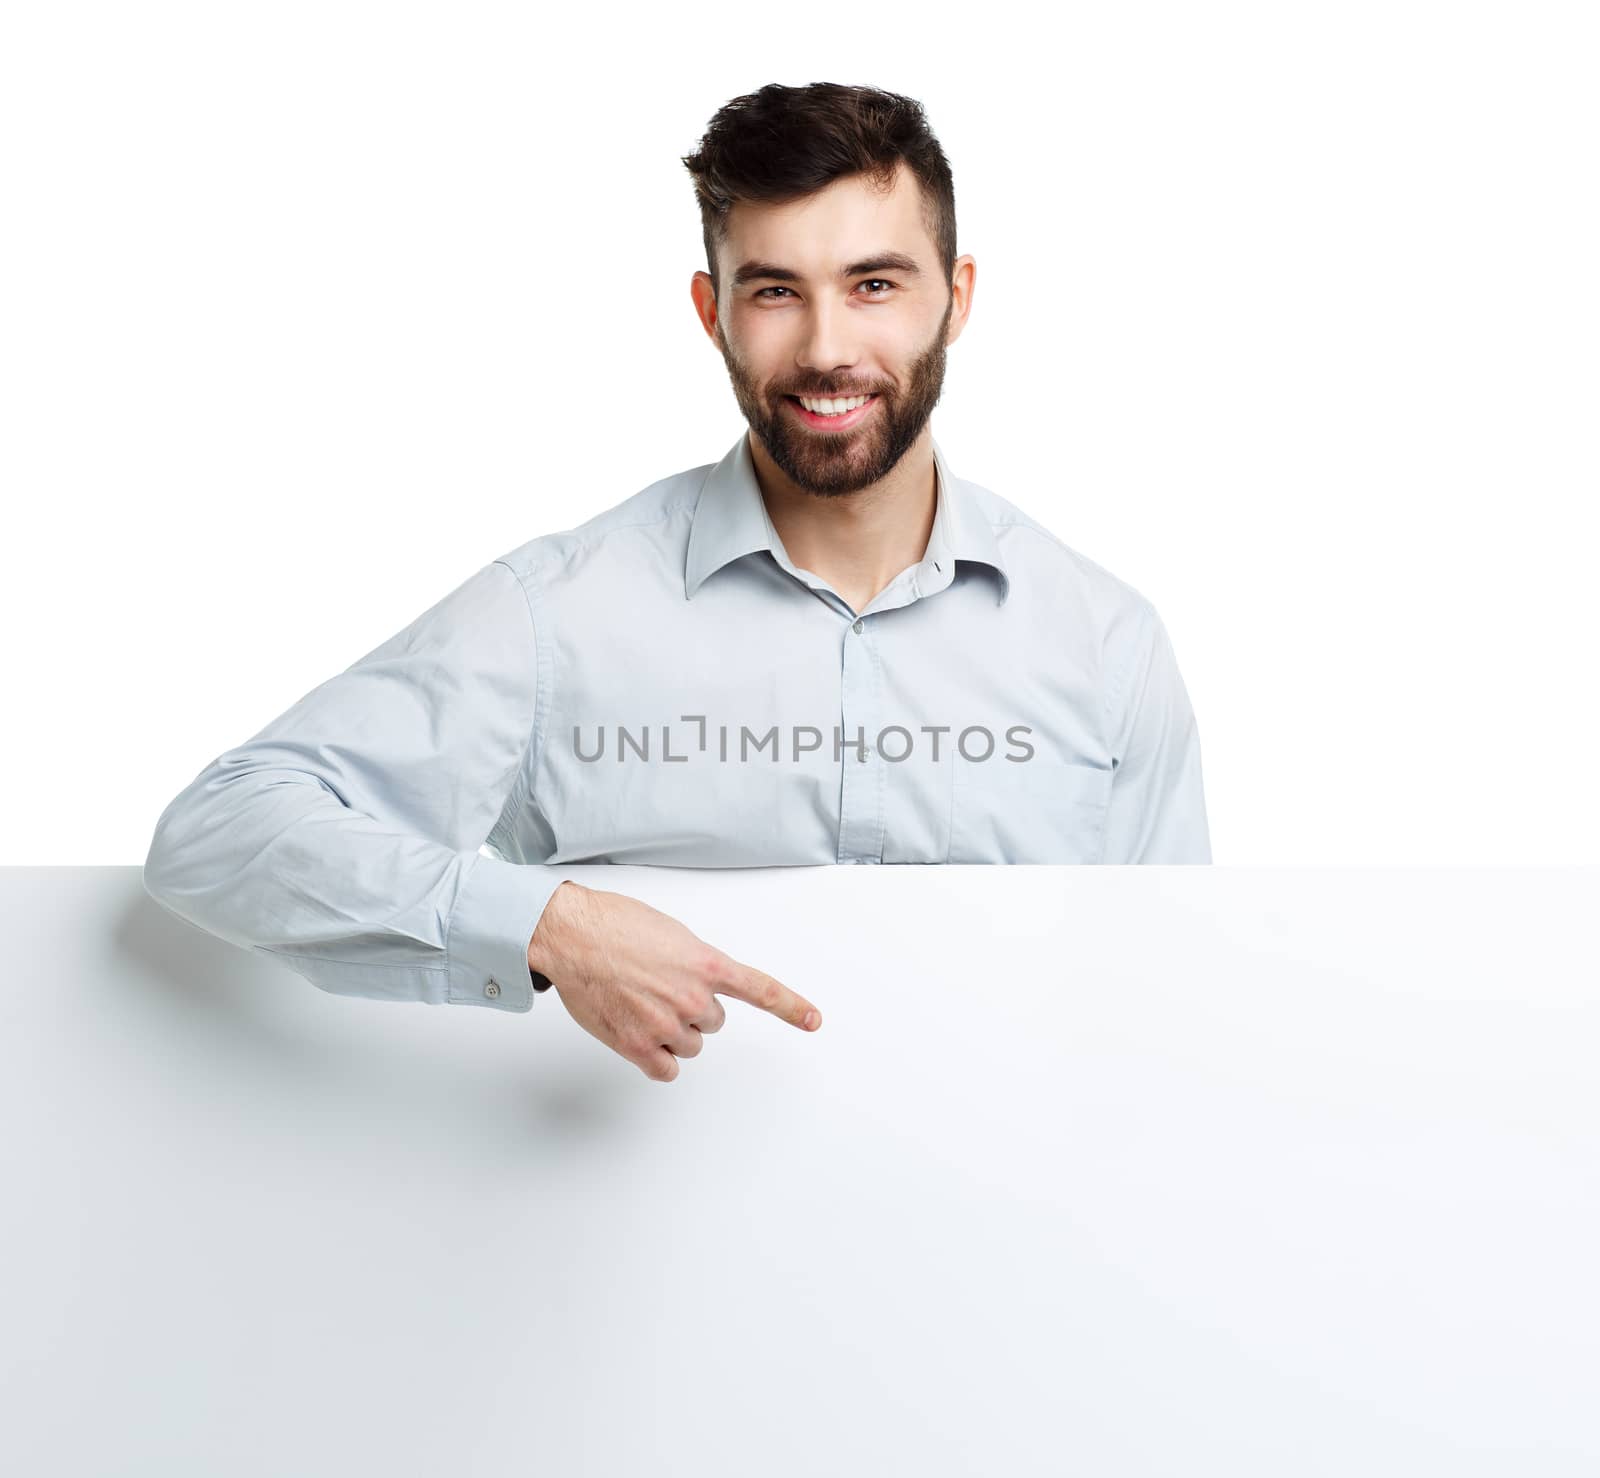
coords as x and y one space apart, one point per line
782 143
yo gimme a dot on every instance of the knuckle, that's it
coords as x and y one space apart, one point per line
649 1062
702 1006
710 967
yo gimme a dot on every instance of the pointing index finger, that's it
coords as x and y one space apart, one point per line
746 983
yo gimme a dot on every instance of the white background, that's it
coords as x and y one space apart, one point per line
1287 315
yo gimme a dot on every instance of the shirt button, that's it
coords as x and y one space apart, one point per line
856 627
492 989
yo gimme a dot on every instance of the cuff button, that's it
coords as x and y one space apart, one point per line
492 989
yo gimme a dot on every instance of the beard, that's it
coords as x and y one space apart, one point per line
831 464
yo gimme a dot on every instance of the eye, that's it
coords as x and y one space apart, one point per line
865 282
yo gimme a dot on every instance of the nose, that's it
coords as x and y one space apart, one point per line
828 345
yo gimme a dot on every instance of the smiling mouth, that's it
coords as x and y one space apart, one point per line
840 420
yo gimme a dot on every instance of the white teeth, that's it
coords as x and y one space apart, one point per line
832 407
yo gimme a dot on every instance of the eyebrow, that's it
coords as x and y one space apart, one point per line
884 261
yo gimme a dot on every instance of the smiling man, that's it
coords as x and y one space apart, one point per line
824 647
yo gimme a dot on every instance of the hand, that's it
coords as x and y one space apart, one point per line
643 983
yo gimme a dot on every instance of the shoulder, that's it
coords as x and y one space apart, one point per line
1113 613
655 516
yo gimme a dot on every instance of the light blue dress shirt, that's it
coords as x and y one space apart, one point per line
662 685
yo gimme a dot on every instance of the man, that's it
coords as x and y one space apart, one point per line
823 648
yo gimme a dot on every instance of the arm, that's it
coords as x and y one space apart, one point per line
343 838
1157 811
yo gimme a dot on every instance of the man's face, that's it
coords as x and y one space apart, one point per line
791 323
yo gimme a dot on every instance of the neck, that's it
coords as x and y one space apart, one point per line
858 542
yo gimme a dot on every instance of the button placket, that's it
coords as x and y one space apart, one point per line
860 789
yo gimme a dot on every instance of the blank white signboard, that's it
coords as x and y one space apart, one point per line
1094 1171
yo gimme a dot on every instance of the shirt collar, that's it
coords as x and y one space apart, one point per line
730 520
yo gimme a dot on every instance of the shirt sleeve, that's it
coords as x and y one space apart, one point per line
343 839
1157 811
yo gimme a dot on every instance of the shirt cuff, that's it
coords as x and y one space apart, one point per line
496 912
